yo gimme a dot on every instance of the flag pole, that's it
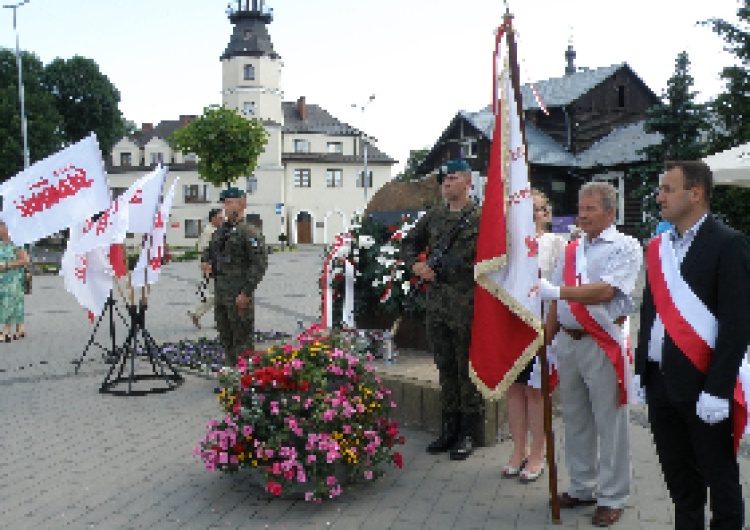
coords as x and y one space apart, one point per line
542 352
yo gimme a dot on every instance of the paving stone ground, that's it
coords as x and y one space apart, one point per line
71 457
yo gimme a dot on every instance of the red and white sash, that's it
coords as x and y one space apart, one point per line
690 324
597 322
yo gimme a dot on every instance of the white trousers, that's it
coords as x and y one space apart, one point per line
203 307
597 443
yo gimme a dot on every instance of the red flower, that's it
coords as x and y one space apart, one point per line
246 380
398 459
304 385
274 488
239 448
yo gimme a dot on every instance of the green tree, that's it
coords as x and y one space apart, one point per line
410 169
681 122
227 145
87 101
732 112
43 122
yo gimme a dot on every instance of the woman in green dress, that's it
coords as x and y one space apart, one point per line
13 260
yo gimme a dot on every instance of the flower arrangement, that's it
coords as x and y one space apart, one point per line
307 417
382 281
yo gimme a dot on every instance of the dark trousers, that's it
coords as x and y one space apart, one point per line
450 347
694 456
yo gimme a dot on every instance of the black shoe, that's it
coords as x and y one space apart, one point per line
217 390
463 448
447 438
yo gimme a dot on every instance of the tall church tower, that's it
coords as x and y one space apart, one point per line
251 69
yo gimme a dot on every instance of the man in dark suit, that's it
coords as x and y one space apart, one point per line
690 372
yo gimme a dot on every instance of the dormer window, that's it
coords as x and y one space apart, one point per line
126 159
249 72
247 34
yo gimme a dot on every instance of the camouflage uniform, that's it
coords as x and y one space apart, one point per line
238 257
450 303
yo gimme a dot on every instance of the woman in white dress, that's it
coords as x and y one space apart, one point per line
525 403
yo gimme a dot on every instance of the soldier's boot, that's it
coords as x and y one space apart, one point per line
464 446
448 437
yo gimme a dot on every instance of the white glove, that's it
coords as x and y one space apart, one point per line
712 409
639 390
547 291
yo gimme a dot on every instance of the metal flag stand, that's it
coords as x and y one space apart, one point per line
161 368
107 354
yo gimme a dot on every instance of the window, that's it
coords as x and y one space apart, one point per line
335 147
192 228
191 157
126 159
617 179
248 33
301 146
334 178
248 107
469 149
252 185
116 192
195 193
249 72
621 96
369 179
156 158
301 178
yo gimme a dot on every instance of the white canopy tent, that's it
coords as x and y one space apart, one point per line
731 167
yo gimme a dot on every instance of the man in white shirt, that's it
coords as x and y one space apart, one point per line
591 295
215 218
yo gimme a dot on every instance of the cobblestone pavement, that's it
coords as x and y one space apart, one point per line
71 457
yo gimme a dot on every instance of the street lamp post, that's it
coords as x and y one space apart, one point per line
24 133
364 146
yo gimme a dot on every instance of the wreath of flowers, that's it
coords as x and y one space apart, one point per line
382 281
307 418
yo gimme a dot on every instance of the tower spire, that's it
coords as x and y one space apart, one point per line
250 36
570 56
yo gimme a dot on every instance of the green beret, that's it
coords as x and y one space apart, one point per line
231 193
452 166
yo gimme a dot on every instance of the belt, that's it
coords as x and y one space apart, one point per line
578 334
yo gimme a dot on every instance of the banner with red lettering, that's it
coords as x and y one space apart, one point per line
55 193
87 276
507 327
114 223
153 250
145 201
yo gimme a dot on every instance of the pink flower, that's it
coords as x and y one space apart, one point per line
347 429
210 466
368 474
329 415
311 458
330 480
223 458
247 430
274 407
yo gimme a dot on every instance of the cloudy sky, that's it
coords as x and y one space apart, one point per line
422 59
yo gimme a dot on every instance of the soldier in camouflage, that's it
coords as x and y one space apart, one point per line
237 258
450 232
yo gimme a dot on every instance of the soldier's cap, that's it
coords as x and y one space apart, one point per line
452 166
231 193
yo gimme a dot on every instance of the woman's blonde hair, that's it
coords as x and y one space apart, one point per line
543 196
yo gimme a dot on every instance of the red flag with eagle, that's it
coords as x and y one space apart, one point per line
507 326
147 269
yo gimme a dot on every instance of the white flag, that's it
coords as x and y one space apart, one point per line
142 206
55 193
149 264
86 276
114 223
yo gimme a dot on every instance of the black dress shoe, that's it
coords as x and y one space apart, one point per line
442 444
463 449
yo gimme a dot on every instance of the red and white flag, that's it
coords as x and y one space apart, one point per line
87 276
507 326
114 223
55 193
147 269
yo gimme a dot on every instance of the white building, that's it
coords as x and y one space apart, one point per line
308 183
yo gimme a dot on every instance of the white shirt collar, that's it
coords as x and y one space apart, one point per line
608 234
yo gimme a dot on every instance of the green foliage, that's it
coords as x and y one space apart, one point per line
681 121
86 100
43 120
732 203
410 170
227 145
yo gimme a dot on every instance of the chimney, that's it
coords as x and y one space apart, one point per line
570 56
186 119
302 108
146 128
